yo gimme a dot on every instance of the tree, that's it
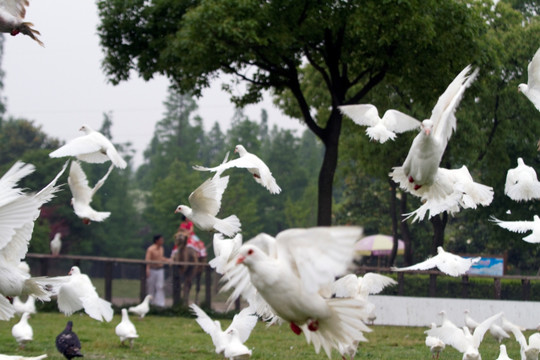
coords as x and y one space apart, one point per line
350 45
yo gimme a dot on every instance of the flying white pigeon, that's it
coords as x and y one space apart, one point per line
469 321
83 194
532 89
230 342
434 344
462 339
56 244
125 330
93 147
78 293
360 287
22 331
261 173
503 355
380 129
224 250
29 306
143 308
19 357
530 350
522 227
12 14
522 183
446 262
453 190
18 211
308 260
424 157
205 203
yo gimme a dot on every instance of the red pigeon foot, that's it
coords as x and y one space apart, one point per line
313 325
411 179
296 329
416 187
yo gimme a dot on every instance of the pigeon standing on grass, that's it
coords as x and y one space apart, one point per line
380 129
83 194
67 342
78 293
126 330
469 321
143 308
530 350
503 355
435 344
532 89
205 203
12 13
22 331
260 171
92 147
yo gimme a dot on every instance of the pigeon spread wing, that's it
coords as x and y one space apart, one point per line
515 226
207 197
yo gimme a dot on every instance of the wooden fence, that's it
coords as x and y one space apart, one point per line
210 276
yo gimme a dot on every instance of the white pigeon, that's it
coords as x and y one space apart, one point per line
22 331
503 355
205 203
224 250
306 261
522 227
56 244
19 357
12 14
453 190
508 326
260 171
229 342
462 339
125 330
78 293
469 321
530 350
83 194
522 183
532 89
434 344
29 306
360 287
498 332
92 147
426 151
446 262
143 308
380 129
18 211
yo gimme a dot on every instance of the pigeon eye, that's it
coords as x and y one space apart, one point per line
250 251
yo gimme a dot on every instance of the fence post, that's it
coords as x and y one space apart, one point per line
401 283
208 286
142 292
465 286
432 285
525 289
108 280
44 262
497 287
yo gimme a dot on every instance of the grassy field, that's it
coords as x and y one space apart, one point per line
162 337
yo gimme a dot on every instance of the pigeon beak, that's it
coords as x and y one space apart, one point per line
427 131
176 211
240 259
69 273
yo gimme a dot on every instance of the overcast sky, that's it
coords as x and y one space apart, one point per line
61 86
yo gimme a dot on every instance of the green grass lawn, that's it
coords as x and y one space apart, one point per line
162 337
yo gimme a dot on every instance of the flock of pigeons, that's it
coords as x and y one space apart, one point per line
288 278
467 339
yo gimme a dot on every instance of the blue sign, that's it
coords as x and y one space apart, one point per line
488 266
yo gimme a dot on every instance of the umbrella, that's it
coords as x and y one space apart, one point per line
377 245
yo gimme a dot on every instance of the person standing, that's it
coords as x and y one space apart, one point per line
155 273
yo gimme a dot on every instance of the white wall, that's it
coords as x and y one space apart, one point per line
420 311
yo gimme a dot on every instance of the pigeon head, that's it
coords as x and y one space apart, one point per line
522 88
427 127
247 254
69 326
86 129
183 209
240 150
74 271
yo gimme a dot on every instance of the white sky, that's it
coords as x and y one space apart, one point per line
61 86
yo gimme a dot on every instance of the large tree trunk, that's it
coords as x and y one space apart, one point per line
439 224
330 139
394 216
